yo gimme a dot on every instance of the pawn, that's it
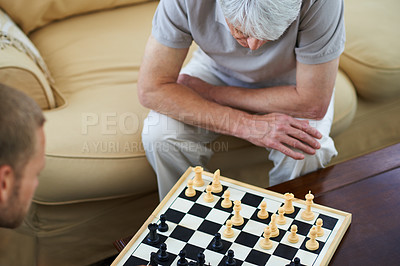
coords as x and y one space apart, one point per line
163 226
272 225
263 214
230 261
296 261
293 237
201 259
266 243
320 231
216 185
208 197
228 232
190 191
312 244
217 243
162 252
281 218
153 261
226 202
182 258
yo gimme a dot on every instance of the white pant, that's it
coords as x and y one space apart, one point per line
172 146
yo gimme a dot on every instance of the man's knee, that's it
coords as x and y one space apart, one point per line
157 128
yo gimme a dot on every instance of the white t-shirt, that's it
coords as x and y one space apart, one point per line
316 36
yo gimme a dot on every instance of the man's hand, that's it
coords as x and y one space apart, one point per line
203 88
276 131
283 133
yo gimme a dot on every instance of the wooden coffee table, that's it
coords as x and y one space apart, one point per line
368 187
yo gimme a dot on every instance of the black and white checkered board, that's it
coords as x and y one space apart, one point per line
193 222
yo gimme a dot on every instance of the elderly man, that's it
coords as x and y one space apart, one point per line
265 72
22 145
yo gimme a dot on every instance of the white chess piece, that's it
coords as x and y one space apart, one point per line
208 197
288 206
307 214
198 179
312 244
190 191
281 218
263 213
266 243
320 231
226 202
228 232
293 237
272 225
237 219
216 184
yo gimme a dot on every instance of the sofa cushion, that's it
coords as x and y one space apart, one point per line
21 65
345 104
93 146
31 15
372 55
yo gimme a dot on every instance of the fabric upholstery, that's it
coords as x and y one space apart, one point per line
21 65
31 15
372 58
98 129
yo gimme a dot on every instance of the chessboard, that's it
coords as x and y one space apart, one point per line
192 223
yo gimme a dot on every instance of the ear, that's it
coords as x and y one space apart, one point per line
6 182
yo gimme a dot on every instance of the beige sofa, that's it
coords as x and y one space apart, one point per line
97 185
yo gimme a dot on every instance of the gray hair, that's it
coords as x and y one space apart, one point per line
261 19
20 117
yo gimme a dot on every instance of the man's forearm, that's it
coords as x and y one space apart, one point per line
183 104
308 99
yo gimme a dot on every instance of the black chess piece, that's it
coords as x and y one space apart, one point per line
152 237
192 263
217 243
182 258
162 254
153 261
230 260
201 259
295 262
163 226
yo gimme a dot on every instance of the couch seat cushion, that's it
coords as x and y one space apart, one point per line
372 55
93 140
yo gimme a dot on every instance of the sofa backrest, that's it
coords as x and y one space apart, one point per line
30 15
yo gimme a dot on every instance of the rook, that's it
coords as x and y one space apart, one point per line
198 179
153 237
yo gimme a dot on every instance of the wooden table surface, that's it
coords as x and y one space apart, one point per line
369 188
